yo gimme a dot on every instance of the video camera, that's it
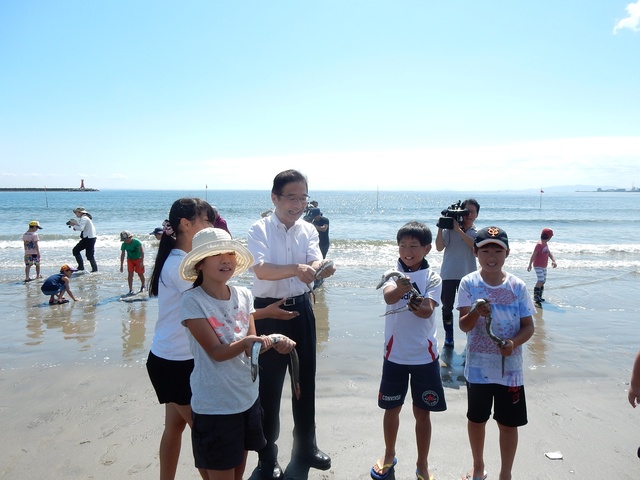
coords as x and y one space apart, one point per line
454 212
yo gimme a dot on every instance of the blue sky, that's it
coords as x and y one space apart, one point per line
358 95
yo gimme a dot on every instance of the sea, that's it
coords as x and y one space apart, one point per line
591 312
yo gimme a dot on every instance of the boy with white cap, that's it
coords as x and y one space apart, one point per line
31 250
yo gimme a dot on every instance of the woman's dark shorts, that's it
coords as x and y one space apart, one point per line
170 379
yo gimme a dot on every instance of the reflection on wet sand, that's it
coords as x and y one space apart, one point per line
35 328
74 326
321 311
134 330
537 345
451 368
75 320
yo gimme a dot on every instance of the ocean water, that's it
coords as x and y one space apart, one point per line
592 301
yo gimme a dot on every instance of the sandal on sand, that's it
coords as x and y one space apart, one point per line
420 477
387 466
469 476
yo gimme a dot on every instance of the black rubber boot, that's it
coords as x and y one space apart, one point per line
537 296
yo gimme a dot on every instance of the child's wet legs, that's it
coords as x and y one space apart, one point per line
423 439
476 441
508 447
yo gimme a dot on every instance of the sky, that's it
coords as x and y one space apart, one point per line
357 95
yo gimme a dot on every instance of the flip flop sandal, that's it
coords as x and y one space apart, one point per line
420 477
469 476
388 466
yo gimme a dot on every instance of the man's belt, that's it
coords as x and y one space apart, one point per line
289 301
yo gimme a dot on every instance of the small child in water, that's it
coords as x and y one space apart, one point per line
135 259
540 260
31 250
56 285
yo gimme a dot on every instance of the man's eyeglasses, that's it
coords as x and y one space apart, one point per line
295 198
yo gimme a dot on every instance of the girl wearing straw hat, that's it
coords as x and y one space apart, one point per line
219 319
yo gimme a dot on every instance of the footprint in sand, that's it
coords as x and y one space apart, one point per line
137 468
109 457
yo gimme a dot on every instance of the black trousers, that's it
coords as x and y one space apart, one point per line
87 244
448 298
273 367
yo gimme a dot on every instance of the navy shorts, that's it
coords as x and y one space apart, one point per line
61 288
426 386
510 407
170 379
219 441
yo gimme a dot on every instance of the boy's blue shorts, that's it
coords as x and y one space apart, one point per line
53 292
509 404
426 386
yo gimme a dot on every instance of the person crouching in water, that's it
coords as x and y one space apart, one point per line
56 285
219 318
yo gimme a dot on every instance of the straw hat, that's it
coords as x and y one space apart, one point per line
214 241
79 210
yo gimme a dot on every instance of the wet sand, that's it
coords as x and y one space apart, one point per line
93 420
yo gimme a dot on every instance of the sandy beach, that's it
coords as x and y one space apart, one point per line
87 420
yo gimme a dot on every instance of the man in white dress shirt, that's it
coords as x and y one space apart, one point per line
287 255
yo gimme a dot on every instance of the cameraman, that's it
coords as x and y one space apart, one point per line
84 223
457 261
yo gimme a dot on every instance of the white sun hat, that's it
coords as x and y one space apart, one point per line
214 241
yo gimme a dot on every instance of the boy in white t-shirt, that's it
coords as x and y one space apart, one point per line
496 329
410 349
